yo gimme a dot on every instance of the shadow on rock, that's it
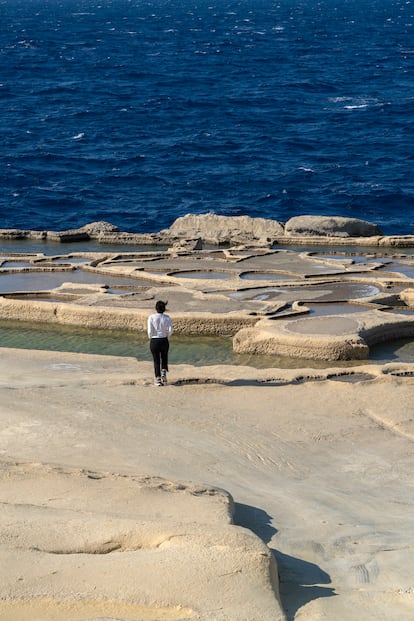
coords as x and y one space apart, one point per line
256 520
300 581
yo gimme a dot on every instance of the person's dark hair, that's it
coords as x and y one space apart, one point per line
160 306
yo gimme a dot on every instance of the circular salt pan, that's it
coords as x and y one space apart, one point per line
324 325
332 292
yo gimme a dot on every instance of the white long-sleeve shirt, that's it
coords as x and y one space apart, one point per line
159 326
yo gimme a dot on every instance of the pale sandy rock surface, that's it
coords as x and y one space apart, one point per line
320 470
112 490
72 540
408 296
336 337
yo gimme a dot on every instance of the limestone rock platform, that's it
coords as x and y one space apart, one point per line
328 297
112 493
112 501
82 544
335 337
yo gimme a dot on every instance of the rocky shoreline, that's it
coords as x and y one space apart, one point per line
195 230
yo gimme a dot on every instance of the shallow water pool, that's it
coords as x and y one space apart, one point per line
45 281
195 350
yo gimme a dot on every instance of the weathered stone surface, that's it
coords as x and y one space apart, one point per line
323 338
107 318
407 296
279 338
151 548
138 239
225 229
13 234
318 467
188 244
397 241
37 235
237 230
97 228
93 230
75 235
332 226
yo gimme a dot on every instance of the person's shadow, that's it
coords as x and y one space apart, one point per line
299 580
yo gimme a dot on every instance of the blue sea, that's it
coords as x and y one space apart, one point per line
138 112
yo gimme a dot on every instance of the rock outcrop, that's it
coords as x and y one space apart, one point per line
190 232
331 226
338 337
150 548
216 229
95 229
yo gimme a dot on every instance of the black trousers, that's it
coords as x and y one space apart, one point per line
159 349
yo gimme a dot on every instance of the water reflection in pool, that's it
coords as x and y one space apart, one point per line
318 310
400 267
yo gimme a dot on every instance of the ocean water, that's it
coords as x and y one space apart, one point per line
138 112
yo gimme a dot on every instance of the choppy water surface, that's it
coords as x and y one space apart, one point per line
140 112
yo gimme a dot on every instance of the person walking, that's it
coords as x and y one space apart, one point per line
160 328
